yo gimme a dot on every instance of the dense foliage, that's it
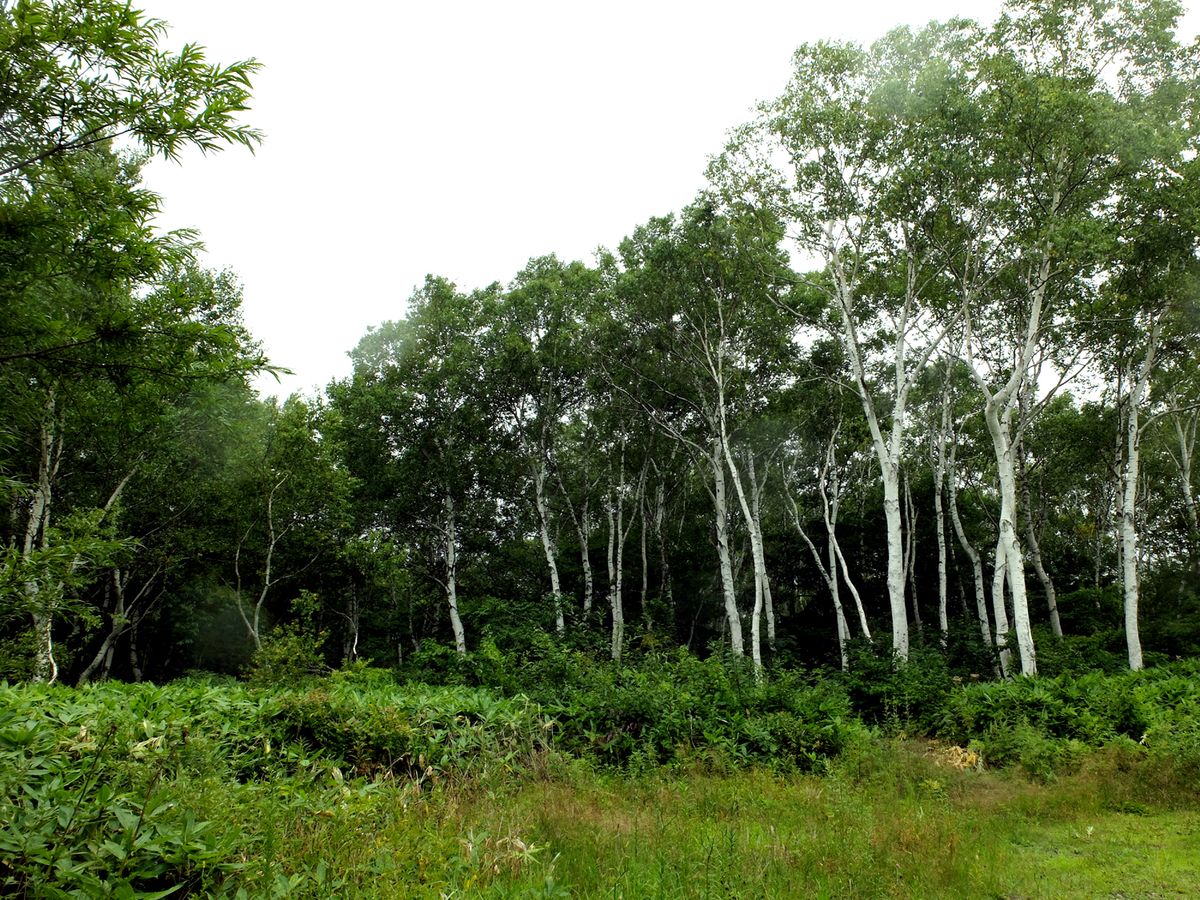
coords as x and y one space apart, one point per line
133 790
689 507
688 442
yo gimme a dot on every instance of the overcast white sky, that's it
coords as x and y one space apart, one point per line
463 138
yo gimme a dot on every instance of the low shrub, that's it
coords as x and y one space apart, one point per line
89 797
413 730
675 708
1044 724
885 690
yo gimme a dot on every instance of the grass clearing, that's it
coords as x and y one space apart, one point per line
907 829
344 790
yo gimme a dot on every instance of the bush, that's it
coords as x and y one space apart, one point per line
885 690
293 651
89 786
415 731
676 708
1044 723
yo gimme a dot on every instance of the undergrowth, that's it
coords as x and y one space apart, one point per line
362 782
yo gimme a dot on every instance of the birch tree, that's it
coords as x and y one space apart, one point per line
420 408
828 157
698 296
1153 295
539 368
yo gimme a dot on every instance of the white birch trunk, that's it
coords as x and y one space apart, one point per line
1185 439
585 539
37 536
1035 550
646 620
939 481
583 528
540 473
843 628
998 411
831 505
910 553
122 621
887 448
721 515
828 573
660 515
611 515
451 533
102 659
1035 557
985 625
616 560
756 553
253 618
1138 387
999 610
618 602
1012 559
756 489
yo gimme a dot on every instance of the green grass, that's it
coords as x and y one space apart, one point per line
906 827
359 787
1110 853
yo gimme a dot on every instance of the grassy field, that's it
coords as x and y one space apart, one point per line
360 787
906 826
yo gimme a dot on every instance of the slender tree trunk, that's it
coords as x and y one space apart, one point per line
1185 438
910 553
1111 509
353 620
756 490
843 628
999 610
611 514
1138 386
1035 550
41 603
1129 545
583 528
618 603
618 533
122 621
756 554
1000 430
451 533
895 562
1035 557
887 448
540 473
720 503
646 619
998 410
616 558
585 539
252 619
939 514
828 573
660 514
985 626
832 506
103 655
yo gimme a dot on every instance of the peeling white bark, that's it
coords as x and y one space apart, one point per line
1138 388
540 473
451 535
